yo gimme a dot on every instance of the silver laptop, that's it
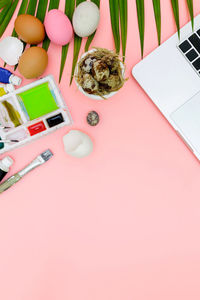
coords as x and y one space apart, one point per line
170 75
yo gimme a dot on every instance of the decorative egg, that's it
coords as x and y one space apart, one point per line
11 49
77 143
86 18
93 118
29 29
58 27
33 62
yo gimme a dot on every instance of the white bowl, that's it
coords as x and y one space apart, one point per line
95 97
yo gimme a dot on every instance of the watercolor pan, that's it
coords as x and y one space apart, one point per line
38 101
31 112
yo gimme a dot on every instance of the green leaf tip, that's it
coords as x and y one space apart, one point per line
91 37
157 15
140 16
69 10
191 12
175 8
123 9
77 47
114 16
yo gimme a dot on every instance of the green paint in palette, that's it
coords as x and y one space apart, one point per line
38 101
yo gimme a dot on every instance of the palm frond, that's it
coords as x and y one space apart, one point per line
31 7
77 47
157 15
91 37
191 11
114 16
8 17
53 4
123 8
69 10
4 3
140 16
4 12
21 11
41 10
175 8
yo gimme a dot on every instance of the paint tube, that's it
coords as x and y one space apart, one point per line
7 77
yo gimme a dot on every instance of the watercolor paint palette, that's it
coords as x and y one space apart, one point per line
30 112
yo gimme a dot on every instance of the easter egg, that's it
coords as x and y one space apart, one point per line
86 18
29 29
33 62
58 27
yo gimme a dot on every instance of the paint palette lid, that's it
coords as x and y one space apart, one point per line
10 88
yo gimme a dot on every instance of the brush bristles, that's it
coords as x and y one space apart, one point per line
46 155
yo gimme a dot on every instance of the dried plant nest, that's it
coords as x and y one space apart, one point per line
100 72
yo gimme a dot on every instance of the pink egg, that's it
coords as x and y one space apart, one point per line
58 27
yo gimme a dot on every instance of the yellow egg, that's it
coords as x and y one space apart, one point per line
33 62
29 29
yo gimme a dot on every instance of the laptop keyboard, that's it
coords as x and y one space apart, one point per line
191 50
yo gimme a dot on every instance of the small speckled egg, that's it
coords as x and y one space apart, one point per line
86 18
93 118
100 71
58 27
29 29
33 62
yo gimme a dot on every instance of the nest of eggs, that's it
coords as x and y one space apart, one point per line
100 72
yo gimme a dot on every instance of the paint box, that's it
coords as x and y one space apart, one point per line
31 112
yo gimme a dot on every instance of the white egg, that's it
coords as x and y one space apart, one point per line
11 49
77 143
86 18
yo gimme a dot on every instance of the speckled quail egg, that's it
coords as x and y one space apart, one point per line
100 71
88 63
90 85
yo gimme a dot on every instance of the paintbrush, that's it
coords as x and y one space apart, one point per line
5 127
8 141
41 159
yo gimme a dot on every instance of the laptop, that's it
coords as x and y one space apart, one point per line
170 76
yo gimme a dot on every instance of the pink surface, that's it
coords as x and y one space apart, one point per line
120 224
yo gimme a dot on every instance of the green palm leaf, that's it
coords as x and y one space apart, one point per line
30 10
175 8
22 10
41 10
8 17
4 12
140 16
90 38
53 4
69 10
123 7
157 14
31 7
77 47
114 16
4 3
191 11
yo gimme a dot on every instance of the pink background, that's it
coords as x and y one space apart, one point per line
120 224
